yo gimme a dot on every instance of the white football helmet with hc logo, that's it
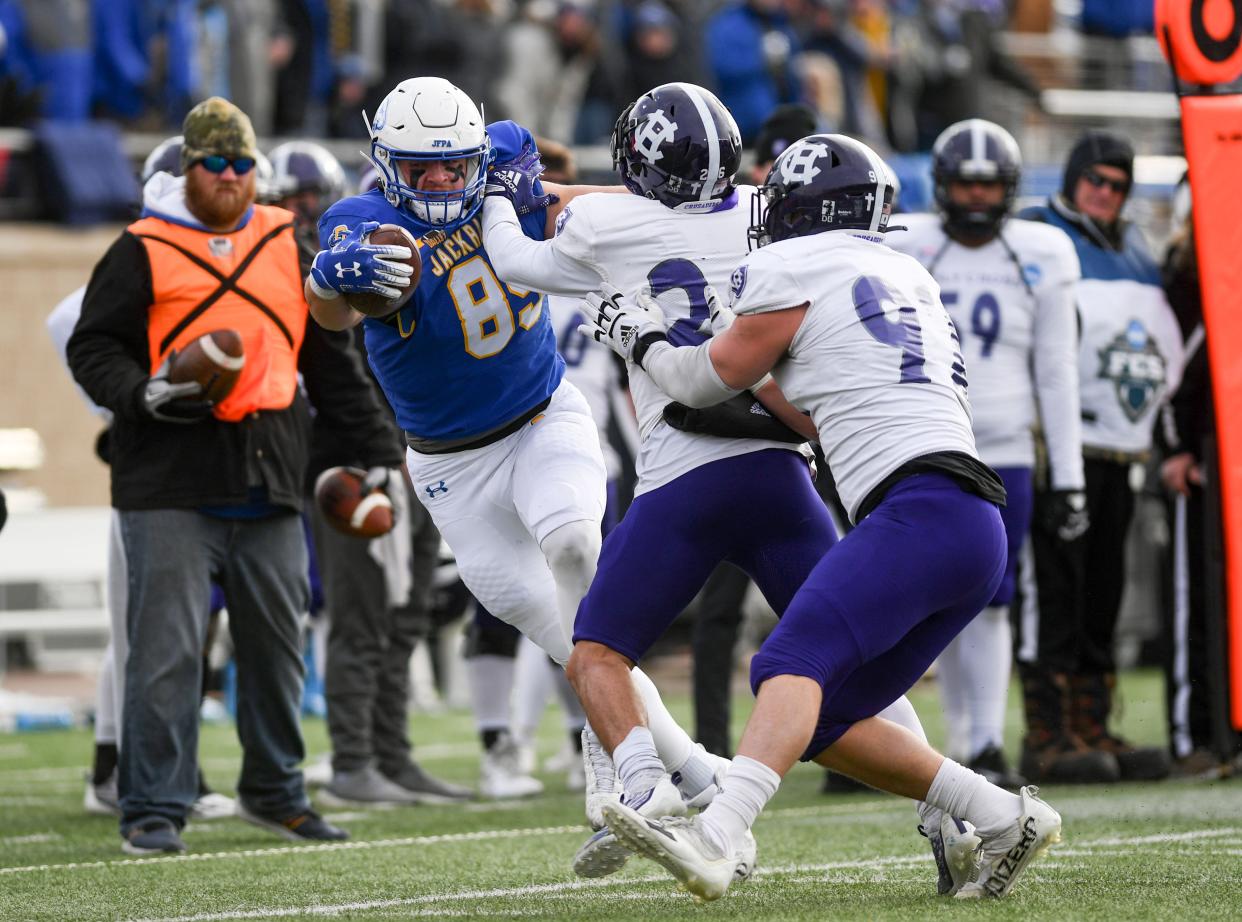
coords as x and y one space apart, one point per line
422 119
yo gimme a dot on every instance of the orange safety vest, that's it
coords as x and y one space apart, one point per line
248 280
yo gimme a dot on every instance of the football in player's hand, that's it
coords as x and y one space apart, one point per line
340 497
376 305
215 360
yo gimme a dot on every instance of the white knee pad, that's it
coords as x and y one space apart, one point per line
572 551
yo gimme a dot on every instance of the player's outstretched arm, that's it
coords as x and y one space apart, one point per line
539 265
565 195
700 376
331 315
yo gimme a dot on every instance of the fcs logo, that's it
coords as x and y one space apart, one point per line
434 491
355 269
1135 365
798 163
656 130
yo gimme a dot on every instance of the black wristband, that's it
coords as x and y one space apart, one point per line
644 343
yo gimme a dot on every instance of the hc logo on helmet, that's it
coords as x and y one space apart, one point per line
798 163
656 130
434 491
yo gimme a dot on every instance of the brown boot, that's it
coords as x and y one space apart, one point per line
1091 701
1050 752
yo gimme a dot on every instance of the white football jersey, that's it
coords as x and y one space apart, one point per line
1129 362
637 244
875 361
1012 301
592 370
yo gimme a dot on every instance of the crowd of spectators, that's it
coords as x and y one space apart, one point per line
893 72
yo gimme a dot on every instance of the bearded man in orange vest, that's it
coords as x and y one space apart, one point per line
207 491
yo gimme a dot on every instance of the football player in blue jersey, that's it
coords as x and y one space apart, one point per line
502 451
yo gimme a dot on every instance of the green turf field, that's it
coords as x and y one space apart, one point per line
1159 851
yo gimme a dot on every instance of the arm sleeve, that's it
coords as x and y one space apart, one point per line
351 425
1056 372
555 267
687 374
108 352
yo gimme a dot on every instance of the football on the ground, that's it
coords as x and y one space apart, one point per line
375 305
215 360
340 497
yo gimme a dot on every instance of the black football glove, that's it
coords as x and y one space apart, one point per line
1065 514
171 403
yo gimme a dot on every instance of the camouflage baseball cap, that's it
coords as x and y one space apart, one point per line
216 126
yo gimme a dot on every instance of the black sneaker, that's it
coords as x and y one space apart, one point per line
151 837
307 826
991 764
426 788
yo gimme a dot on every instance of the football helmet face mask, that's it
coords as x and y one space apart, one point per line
679 145
308 171
428 119
975 150
166 158
823 182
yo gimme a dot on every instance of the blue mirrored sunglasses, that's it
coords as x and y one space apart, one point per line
214 163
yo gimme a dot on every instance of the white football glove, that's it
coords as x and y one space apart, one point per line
719 315
626 327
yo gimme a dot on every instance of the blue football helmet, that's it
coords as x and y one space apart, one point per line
679 145
166 158
422 119
975 150
823 182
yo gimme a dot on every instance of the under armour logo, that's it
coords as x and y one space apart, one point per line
341 269
433 491
798 163
653 132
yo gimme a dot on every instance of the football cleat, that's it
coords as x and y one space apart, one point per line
956 846
680 845
603 853
1006 856
501 777
600 776
102 799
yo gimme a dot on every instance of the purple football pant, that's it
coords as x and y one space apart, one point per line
877 611
1016 515
759 511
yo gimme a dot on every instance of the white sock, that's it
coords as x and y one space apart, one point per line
491 685
671 741
954 700
638 765
969 796
748 788
987 650
532 684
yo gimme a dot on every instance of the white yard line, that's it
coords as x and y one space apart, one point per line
30 839
532 890
480 835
